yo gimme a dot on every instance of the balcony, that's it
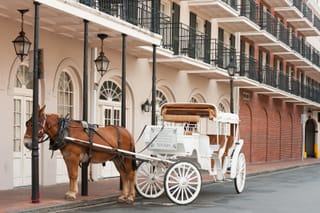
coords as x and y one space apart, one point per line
218 59
136 13
301 17
274 83
279 3
187 46
215 8
275 37
246 21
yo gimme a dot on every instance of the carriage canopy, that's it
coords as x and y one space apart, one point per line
191 112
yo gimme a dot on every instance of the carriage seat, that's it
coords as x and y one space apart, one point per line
181 118
218 147
189 120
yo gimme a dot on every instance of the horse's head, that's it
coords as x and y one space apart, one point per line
41 126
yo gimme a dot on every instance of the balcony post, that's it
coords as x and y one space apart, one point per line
35 196
84 167
154 79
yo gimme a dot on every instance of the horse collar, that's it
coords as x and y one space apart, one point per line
58 141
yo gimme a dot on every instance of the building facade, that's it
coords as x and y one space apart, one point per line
273 42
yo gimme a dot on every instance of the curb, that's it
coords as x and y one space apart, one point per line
113 199
72 205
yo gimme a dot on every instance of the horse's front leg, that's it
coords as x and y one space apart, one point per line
72 162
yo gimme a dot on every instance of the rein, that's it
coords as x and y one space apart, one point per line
153 139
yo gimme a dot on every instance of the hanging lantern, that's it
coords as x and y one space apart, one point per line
22 43
102 62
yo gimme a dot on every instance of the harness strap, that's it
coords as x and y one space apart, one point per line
118 136
90 129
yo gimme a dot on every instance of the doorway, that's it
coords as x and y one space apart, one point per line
310 138
21 155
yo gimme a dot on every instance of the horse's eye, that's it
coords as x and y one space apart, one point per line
28 124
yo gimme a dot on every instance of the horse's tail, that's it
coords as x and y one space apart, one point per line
134 160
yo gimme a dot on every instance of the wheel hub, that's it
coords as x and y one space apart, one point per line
183 182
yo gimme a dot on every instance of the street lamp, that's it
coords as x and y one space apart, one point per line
22 43
145 107
232 69
102 62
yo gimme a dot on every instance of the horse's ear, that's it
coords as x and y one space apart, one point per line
42 109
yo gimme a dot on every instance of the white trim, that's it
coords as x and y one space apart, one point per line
79 10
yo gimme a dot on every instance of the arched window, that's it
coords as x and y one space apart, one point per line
65 95
197 98
193 100
110 91
161 99
221 107
24 78
110 97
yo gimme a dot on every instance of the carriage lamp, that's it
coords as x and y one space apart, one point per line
22 43
102 62
232 69
145 107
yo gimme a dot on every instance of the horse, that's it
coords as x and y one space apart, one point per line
56 128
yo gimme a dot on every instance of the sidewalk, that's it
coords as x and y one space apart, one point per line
102 191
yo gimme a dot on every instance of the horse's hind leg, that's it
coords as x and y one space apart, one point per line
132 192
124 180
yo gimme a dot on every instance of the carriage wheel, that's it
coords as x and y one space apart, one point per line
182 182
149 179
240 179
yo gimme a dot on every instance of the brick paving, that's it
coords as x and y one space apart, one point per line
52 197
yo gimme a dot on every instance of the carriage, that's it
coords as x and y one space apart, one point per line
194 140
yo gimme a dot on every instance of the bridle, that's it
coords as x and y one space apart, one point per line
41 128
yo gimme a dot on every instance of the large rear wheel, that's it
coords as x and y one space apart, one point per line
182 182
240 179
149 179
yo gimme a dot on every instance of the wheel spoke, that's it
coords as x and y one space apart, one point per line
173 187
177 188
140 183
191 187
193 178
158 186
145 170
186 191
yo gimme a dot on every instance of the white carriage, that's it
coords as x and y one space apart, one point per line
194 138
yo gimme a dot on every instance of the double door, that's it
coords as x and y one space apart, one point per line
21 155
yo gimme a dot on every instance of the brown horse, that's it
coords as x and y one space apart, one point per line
58 128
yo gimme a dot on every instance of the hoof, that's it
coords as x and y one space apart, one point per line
130 201
69 197
122 200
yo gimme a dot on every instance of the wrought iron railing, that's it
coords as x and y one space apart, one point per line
137 12
232 3
311 93
277 78
183 40
221 53
249 9
248 67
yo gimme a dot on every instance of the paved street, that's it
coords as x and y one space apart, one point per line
294 190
